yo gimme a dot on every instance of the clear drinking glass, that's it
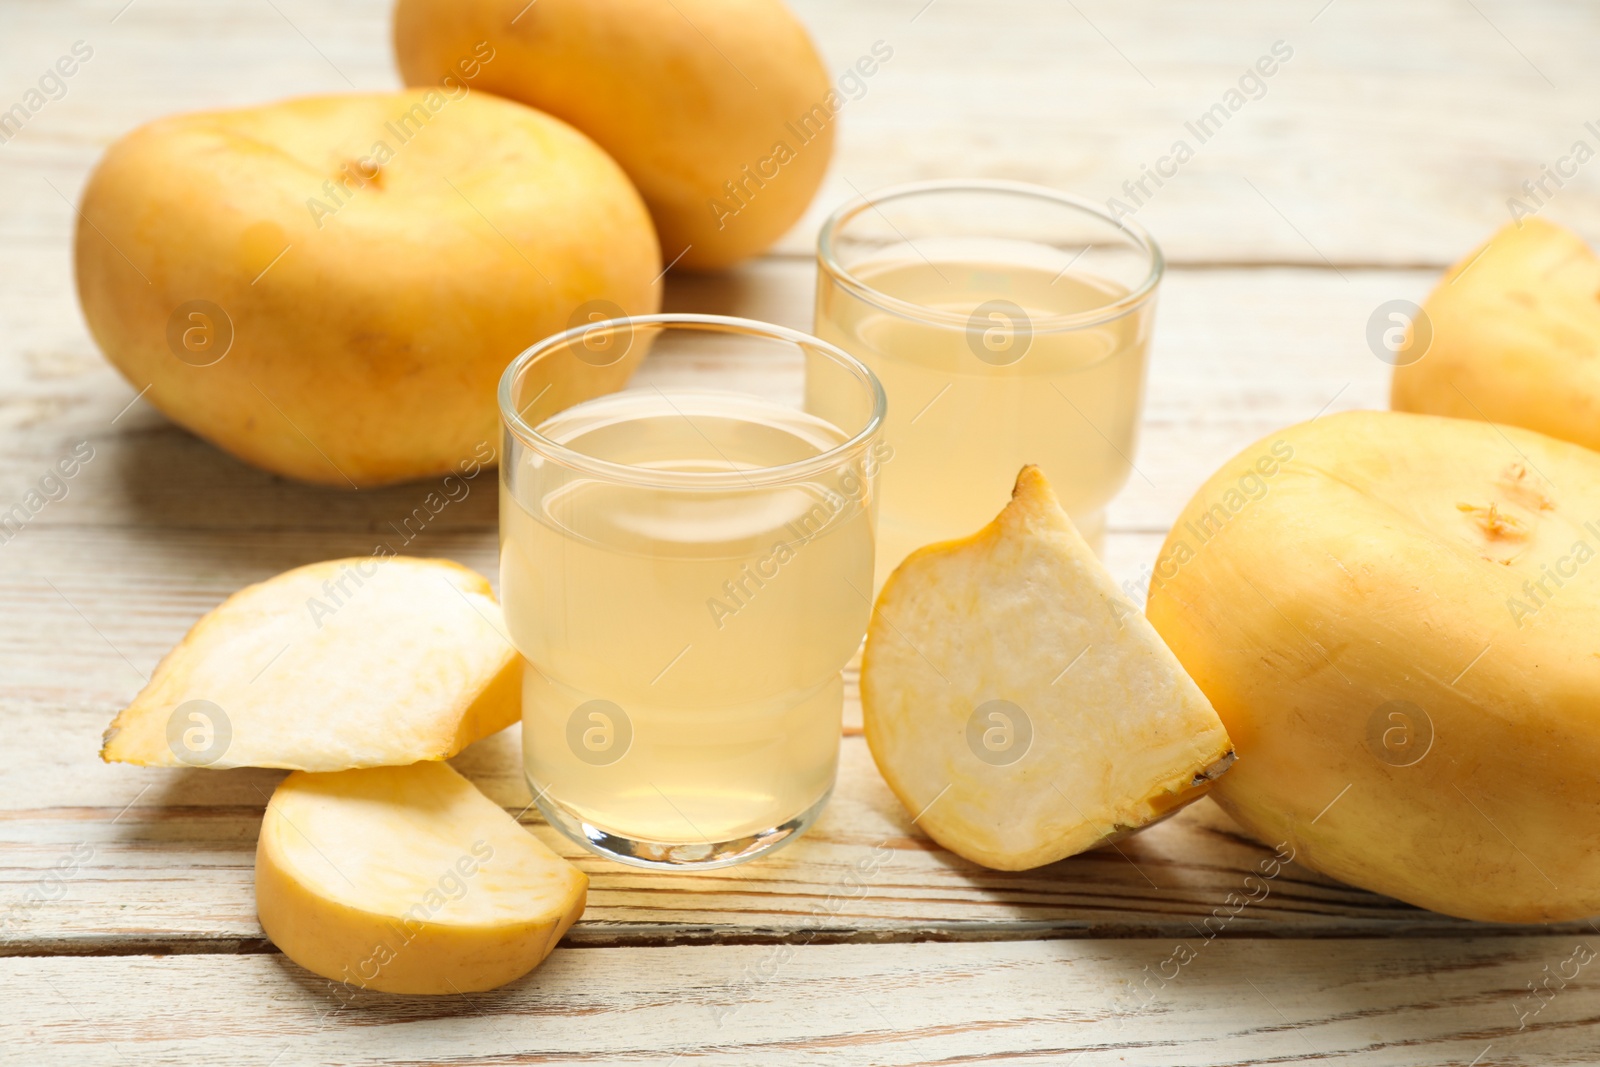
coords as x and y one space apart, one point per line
687 521
1008 324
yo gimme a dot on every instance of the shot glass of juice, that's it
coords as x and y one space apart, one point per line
687 524
1008 324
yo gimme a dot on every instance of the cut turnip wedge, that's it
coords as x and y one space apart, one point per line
361 662
408 880
1020 708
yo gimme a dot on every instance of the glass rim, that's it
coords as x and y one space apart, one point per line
751 478
828 260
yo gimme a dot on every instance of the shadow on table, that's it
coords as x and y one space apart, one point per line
161 475
199 810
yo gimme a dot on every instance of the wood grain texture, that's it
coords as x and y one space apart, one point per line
1393 135
1088 1003
1382 150
1237 353
112 859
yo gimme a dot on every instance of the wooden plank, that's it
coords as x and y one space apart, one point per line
1237 353
1379 1003
1327 165
115 859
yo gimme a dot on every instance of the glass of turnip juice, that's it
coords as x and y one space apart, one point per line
687 527
1009 325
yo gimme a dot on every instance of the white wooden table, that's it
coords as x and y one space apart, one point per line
1382 150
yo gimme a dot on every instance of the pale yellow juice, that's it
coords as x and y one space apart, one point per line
685 645
960 423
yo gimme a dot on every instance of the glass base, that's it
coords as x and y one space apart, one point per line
676 855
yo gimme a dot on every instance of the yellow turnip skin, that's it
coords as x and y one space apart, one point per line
1397 617
330 287
1515 336
719 110
408 880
